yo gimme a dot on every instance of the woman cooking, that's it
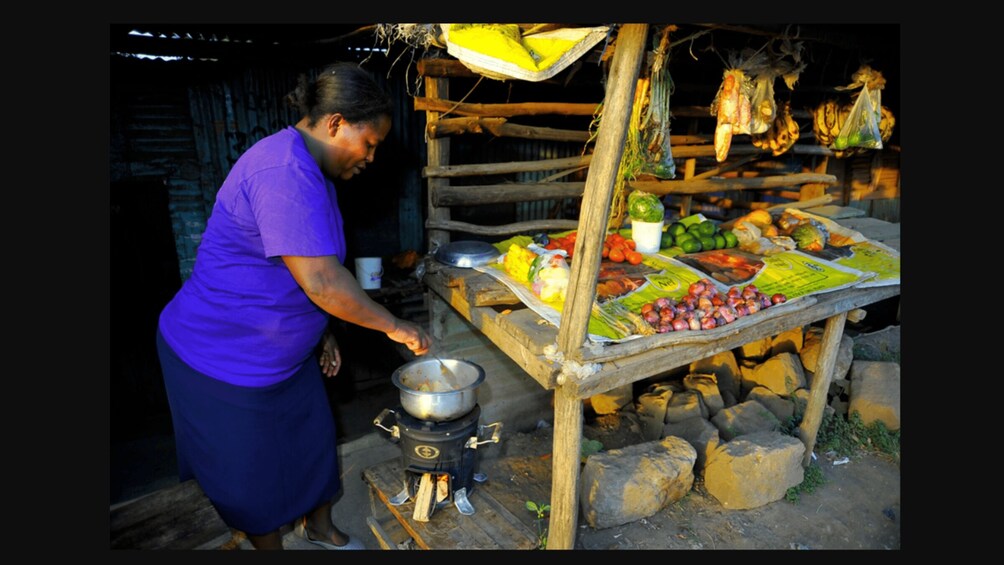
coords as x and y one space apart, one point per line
252 420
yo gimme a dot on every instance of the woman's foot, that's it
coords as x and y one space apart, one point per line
326 531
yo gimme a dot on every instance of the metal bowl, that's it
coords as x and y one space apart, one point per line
427 394
467 254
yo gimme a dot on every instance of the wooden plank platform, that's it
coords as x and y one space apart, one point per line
494 524
179 517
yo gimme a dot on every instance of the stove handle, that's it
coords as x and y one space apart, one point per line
378 422
473 442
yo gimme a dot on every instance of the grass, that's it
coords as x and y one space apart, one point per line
843 436
850 435
812 480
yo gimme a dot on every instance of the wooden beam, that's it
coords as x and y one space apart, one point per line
715 185
430 104
504 168
438 154
531 226
480 194
499 127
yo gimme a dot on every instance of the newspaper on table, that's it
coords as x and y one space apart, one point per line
853 261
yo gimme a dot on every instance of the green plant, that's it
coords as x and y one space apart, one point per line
589 447
541 510
790 424
812 479
847 436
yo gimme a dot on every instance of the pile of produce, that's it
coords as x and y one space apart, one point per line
759 233
616 247
705 308
545 270
700 236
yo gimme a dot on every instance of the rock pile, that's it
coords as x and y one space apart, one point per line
730 409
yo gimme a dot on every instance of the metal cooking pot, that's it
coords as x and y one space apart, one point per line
428 394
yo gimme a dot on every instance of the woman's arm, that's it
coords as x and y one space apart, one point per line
332 287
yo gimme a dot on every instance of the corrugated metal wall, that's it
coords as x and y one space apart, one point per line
189 129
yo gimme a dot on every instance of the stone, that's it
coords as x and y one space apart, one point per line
685 404
809 355
782 374
651 409
612 400
755 350
875 392
787 342
725 368
706 385
782 408
699 433
754 470
624 485
744 418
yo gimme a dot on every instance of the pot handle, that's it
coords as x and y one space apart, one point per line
378 422
473 443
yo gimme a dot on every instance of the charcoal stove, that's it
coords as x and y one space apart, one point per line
439 459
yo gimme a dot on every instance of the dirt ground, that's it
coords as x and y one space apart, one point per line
856 507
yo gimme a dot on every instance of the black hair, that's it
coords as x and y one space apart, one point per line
343 88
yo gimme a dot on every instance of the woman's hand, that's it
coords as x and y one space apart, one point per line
331 355
411 335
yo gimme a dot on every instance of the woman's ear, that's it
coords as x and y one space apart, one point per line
334 120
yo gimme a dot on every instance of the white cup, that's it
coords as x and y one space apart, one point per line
368 271
647 236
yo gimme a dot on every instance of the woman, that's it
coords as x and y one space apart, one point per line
237 344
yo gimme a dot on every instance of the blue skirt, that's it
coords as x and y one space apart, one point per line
264 456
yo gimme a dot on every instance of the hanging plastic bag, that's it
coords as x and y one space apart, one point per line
656 151
549 274
764 109
732 107
861 128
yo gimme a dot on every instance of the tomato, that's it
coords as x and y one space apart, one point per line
630 243
633 257
606 250
617 255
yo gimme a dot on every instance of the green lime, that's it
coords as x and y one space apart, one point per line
707 243
666 241
730 238
719 241
683 236
694 229
690 245
676 228
707 227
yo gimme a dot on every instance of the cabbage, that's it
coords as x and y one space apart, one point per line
645 207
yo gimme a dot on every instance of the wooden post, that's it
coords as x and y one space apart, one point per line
825 363
619 97
687 200
567 450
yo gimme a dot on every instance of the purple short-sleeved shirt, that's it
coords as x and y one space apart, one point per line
241 317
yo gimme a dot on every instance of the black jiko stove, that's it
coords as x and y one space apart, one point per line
439 459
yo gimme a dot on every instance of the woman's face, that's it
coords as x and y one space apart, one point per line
353 146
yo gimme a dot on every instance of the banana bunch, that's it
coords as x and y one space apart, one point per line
829 118
782 134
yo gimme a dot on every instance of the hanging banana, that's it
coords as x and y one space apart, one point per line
782 135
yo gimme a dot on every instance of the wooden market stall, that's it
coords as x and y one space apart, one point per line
520 333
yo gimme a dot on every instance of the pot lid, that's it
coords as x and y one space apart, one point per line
466 254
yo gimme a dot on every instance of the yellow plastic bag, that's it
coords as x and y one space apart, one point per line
501 52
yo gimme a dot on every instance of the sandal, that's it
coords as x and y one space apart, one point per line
301 531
